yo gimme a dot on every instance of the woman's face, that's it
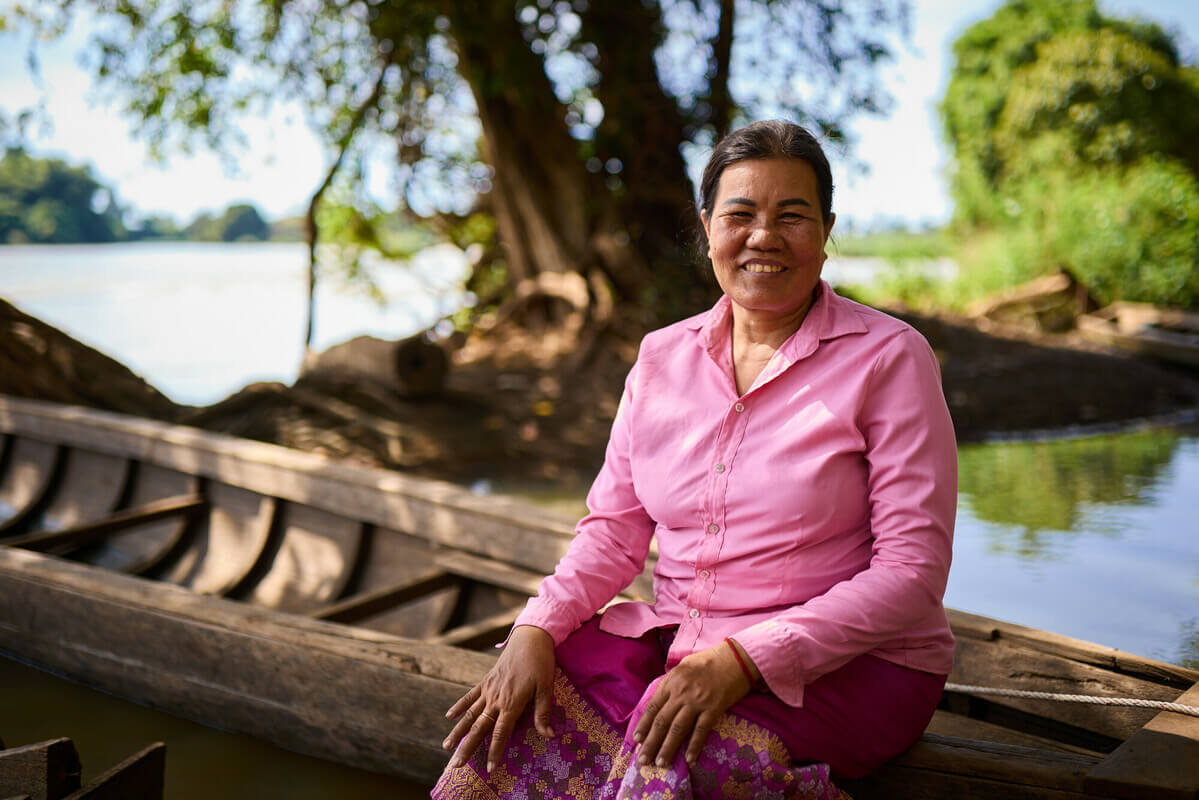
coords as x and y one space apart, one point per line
766 235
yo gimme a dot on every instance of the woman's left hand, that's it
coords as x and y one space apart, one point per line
688 703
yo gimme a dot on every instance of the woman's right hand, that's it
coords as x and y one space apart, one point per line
524 671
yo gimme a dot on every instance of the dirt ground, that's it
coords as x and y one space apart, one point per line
521 424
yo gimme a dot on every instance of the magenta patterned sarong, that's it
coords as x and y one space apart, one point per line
862 716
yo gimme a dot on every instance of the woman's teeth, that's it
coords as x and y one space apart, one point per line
763 268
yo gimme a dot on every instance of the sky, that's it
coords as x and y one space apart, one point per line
904 179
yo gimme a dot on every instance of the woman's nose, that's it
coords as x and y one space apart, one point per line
763 236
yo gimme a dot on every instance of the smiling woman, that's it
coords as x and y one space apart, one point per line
792 455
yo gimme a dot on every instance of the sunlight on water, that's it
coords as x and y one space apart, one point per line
200 321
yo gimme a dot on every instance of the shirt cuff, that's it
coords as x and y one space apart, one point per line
542 613
766 645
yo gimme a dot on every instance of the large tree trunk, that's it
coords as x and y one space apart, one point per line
553 215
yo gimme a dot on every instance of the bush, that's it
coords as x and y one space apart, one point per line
1133 234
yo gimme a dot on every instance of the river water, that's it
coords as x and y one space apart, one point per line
1094 537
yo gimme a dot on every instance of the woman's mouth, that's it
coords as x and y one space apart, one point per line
755 266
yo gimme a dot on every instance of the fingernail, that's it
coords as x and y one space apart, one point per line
643 760
637 737
446 745
661 762
490 766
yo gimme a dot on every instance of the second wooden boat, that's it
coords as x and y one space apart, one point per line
338 611
1165 333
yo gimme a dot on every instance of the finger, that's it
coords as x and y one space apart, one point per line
469 718
500 732
464 702
657 733
648 715
459 730
470 742
677 733
543 711
703 726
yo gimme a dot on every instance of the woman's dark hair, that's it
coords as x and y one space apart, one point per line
772 138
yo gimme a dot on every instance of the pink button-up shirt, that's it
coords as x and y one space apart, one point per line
811 519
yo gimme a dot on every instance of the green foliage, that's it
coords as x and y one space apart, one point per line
1040 490
49 201
243 222
1132 234
1076 142
238 223
897 246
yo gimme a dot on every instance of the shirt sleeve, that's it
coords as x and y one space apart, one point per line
911 456
611 543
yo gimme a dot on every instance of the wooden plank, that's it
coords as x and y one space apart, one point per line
489 571
390 558
314 561
44 771
972 626
945 723
368 604
1010 665
89 490
148 546
1159 761
1005 716
899 783
33 467
139 777
481 633
946 768
327 690
232 541
80 535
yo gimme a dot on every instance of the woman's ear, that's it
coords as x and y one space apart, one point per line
705 219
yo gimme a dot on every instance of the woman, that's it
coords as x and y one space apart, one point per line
792 453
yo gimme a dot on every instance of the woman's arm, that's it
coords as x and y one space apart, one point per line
610 545
608 551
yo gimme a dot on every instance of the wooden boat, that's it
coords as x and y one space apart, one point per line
1165 333
338 611
51 770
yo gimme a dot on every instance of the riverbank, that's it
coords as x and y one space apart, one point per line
520 423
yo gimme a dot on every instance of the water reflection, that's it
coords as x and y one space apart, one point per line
1188 651
1039 492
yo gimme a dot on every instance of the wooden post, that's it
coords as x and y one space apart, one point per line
139 777
44 771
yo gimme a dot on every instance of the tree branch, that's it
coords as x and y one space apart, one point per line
310 228
722 51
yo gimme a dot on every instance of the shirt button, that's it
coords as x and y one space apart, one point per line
693 613
703 573
719 467
740 407
713 528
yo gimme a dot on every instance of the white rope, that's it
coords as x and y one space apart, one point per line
1177 708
